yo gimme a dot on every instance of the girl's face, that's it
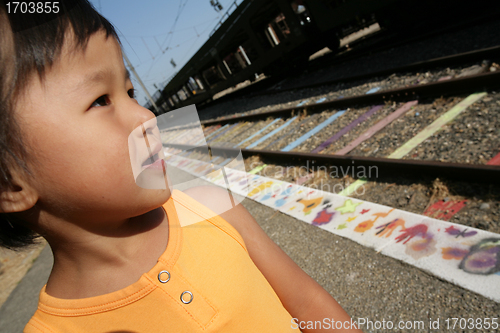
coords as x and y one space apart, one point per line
76 124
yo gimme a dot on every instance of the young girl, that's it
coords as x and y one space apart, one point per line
125 258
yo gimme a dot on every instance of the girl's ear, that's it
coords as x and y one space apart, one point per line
20 197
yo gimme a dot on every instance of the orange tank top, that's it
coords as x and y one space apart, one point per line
205 281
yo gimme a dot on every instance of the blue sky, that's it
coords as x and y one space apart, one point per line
151 37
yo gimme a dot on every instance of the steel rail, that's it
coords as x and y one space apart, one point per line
385 166
491 53
468 84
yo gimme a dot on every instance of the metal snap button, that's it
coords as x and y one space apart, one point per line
182 297
160 279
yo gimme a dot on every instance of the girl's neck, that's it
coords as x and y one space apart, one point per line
88 265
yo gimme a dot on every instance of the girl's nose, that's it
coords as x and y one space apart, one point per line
145 119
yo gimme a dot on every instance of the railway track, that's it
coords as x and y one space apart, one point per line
321 68
373 93
417 74
491 53
385 130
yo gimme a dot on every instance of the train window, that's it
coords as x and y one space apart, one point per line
233 63
271 35
259 24
282 25
301 10
170 102
182 95
175 98
234 54
213 75
277 30
248 51
193 86
164 106
243 57
198 81
186 90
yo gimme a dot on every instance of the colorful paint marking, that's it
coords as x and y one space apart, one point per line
408 233
347 128
436 125
388 228
348 207
211 134
292 130
258 132
233 130
315 130
483 258
450 253
274 132
257 169
445 210
457 232
260 188
309 205
323 217
373 90
222 133
421 247
423 135
495 160
377 127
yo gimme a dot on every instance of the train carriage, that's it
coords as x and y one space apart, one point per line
276 36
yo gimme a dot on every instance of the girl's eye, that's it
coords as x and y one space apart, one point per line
131 93
101 101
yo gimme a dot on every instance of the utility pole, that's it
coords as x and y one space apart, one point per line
140 82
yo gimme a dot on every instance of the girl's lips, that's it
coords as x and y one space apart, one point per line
150 160
159 164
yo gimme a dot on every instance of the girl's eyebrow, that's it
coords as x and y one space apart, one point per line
97 77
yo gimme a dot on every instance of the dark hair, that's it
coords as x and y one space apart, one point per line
30 44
